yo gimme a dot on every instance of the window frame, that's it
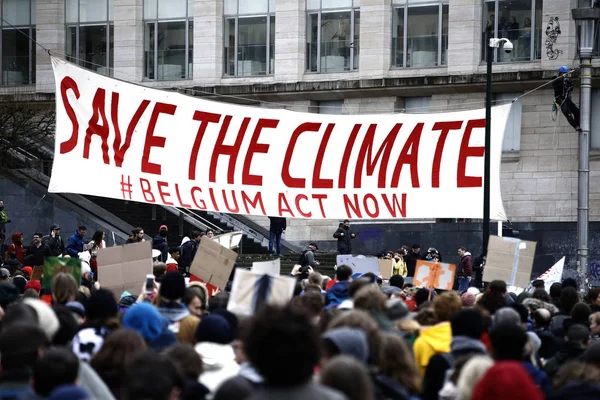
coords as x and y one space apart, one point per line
516 109
236 17
30 29
534 28
406 5
319 12
78 25
155 21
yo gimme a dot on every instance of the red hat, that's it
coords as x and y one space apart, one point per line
507 380
35 285
163 227
29 271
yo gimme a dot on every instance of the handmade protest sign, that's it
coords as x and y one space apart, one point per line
213 263
54 265
509 260
385 268
124 268
359 264
162 147
250 289
272 267
553 275
434 275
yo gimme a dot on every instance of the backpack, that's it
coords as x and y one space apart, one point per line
302 260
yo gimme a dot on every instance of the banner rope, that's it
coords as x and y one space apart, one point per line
281 105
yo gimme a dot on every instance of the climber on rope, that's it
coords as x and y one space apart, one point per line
563 86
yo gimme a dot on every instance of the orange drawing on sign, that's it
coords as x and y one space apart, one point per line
433 279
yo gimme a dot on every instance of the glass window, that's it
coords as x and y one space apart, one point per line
333 35
512 133
17 46
595 128
415 105
168 39
249 37
90 34
519 21
333 107
419 33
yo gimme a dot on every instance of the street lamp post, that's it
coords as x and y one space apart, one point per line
494 43
586 17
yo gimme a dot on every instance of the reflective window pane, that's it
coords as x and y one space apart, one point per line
335 41
252 46
444 37
423 36
171 50
111 9
229 53
93 48
71 45
16 12
325 4
313 4
172 8
331 107
190 49
398 37
253 6
150 9
33 15
231 7
272 47
356 43
93 10
312 42
149 50
16 62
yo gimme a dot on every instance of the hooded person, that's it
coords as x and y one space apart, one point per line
153 327
344 236
338 292
160 243
507 380
16 247
181 322
347 341
214 336
576 343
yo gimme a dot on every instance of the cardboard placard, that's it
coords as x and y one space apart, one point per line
54 265
359 264
434 275
37 273
124 268
231 240
247 286
385 269
509 260
213 263
272 267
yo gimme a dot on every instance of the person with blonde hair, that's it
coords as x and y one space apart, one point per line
64 288
470 375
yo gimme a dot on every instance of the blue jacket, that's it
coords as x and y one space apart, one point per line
539 377
75 245
337 293
160 243
188 252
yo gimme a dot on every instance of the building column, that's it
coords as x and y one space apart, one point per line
375 38
290 40
50 33
464 36
208 42
129 40
566 41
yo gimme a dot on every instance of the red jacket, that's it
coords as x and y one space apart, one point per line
465 266
16 247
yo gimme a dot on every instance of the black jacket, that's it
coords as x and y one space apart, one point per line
344 236
411 262
160 243
56 244
562 88
278 224
35 255
188 252
571 351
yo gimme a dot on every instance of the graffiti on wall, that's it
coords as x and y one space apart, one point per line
552 34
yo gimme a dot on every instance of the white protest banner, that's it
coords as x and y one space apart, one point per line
553 275
163 147
359 264
272 267
250 289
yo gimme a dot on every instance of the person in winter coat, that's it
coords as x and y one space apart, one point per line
276 228
338 292
16 247
398 264
540 299
464 269
437 339
37 251
54 241
344 235
578 338
506 380
160 243
307 258
188 251
173 260
153 327
181 322
76 242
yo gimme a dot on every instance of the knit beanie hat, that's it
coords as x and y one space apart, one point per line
467 299
145 320
126 301
172 286
101 305
47 319
35 285
8 294
20 282
28 271
507 380
214 328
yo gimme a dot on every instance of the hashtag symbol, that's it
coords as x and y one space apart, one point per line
126 186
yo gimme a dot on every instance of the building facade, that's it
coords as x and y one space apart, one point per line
336 57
